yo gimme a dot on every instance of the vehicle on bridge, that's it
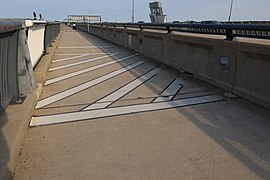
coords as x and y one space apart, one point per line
210 22
74 26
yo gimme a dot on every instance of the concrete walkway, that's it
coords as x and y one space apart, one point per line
109 113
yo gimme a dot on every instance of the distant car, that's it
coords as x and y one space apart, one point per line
190 22
210 22
176 22
140 22
73 26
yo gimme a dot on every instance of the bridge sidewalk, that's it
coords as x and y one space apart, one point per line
109 113
14 121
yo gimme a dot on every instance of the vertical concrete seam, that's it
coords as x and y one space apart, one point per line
236 65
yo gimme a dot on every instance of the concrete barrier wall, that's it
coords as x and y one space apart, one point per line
248 73
36 31
39 37
253 72
201 57
120 38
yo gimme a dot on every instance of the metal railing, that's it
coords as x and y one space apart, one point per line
247 22
18 38
9 86
51 32
261 31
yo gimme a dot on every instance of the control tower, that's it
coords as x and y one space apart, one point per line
156 13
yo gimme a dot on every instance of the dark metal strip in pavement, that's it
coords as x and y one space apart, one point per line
123 91
173 88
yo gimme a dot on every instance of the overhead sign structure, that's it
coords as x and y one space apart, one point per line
84 18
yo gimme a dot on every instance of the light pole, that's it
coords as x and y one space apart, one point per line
231 11
133 11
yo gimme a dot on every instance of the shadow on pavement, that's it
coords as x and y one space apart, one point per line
240 127
235 127
4 150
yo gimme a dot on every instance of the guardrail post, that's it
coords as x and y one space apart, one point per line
168 29
140 27
229 34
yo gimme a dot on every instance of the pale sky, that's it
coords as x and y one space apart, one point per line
120 10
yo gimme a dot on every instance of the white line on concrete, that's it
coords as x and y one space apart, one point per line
78 63
82 54
105 102
101 113
69 58
84 86
83 47
170 91
57 79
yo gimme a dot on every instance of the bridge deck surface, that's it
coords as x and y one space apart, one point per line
108 113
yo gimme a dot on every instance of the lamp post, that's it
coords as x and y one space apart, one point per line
133 11
231 11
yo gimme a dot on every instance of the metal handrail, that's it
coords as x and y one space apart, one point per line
9 87
9 26
51 32
261 31
16 68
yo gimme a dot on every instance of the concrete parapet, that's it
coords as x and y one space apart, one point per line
242 67
253 72
201 57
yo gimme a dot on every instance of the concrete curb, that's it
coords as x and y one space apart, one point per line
17 120
17 117
43 66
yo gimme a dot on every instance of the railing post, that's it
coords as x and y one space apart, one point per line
140 27
229 34
168 28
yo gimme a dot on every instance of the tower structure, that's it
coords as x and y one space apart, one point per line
156 13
